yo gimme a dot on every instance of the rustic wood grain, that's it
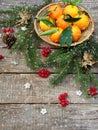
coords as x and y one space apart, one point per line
12 89
28 117
7 65
4 4
20 108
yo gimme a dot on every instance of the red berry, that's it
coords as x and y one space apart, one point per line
62 96
67 102
43 47
64 103
44 73
45 51
12 30
8 30
65 94
48 50
1 57
92 91
4 30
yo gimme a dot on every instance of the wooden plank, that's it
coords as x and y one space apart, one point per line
5 4
91 6
7 65
28 117
12 89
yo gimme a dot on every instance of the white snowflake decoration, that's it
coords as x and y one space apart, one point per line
27 85
23 28
0 35
15 62
79 93
43 111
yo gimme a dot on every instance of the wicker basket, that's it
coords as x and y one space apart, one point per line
85 35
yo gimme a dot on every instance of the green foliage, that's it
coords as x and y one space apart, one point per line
62 71
82 76
70 60
48 23
65 60
73 2
45 14
27 41
66 37
76 2
48 32
72 19
66 1
94 79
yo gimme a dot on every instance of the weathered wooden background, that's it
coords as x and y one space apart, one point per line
20 107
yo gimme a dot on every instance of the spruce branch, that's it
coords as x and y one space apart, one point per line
28 41
85 83
61 73
94 79
82 77
72 58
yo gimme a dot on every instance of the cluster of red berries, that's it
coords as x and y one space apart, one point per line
7 30
63 99
1 57
92 91
44 73
45 51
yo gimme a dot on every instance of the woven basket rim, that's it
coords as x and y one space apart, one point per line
88 32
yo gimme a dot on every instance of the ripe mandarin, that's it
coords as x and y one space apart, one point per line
83 23
71 10
55 11
55 37
45 27
76 33
61 23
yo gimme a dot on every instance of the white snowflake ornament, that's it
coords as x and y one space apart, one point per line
15 62
27 85
43 111
79 93
23 28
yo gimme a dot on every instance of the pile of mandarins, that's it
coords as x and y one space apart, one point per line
57 14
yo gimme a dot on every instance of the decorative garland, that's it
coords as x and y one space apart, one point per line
78 59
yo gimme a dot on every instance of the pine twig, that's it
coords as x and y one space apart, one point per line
61 73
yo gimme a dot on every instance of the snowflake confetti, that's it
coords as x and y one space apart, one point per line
43 111
23 28
79 93
0 35
27 85
15 62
